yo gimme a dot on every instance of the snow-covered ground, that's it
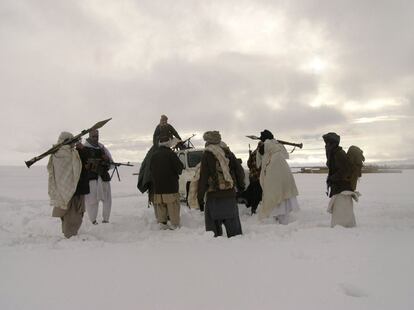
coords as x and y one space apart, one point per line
130 264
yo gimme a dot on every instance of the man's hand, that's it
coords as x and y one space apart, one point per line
79 146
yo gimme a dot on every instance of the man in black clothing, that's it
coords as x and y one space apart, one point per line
339 183
99 159
164 131
338 179
253 193
165 168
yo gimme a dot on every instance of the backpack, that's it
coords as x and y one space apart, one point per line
356 160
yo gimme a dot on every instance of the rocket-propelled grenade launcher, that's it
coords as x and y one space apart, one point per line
56 147
299 145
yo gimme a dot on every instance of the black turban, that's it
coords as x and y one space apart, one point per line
266 135
331 138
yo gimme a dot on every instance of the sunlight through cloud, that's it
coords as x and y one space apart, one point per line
382 118
374 105
316 66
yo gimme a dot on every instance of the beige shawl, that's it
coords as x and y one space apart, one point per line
276 177
64 168
218 152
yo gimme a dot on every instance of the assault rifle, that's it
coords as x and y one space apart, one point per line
185 144
75 139
116 165
100 165
299 145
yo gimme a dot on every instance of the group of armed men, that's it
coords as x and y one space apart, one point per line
79 180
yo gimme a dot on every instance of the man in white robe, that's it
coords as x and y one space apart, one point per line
67 186
100 160
276 180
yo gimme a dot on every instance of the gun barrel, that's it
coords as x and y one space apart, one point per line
122 164
299 145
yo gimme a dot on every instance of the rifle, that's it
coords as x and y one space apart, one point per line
182 144
116 165
56 147
299 145
100 165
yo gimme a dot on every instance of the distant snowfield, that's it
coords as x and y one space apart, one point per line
130 264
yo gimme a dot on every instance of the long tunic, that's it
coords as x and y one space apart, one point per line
276 179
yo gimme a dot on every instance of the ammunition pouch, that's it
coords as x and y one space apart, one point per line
98 167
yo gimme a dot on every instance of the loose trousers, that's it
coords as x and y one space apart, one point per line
167 206
99 191
72 217
222 211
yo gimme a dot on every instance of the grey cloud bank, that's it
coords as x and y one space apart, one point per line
297 68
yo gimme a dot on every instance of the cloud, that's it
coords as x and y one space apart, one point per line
297 68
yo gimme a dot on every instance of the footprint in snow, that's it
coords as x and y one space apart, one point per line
352 290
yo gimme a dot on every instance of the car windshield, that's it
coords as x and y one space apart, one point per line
194 158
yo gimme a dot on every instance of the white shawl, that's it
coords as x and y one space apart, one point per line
64 168
276 177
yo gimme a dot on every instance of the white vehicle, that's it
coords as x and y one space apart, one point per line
190 159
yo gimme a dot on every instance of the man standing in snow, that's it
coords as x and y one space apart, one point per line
253 193
219 178
67 185
165 168
276 180
99 159
338 183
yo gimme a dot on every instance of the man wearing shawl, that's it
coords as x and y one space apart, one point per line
276 180
219 178
67 185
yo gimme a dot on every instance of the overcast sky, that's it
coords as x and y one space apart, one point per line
297 68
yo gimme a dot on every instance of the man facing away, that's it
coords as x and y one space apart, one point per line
219 178
67 185
338 182
165 168
99 159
